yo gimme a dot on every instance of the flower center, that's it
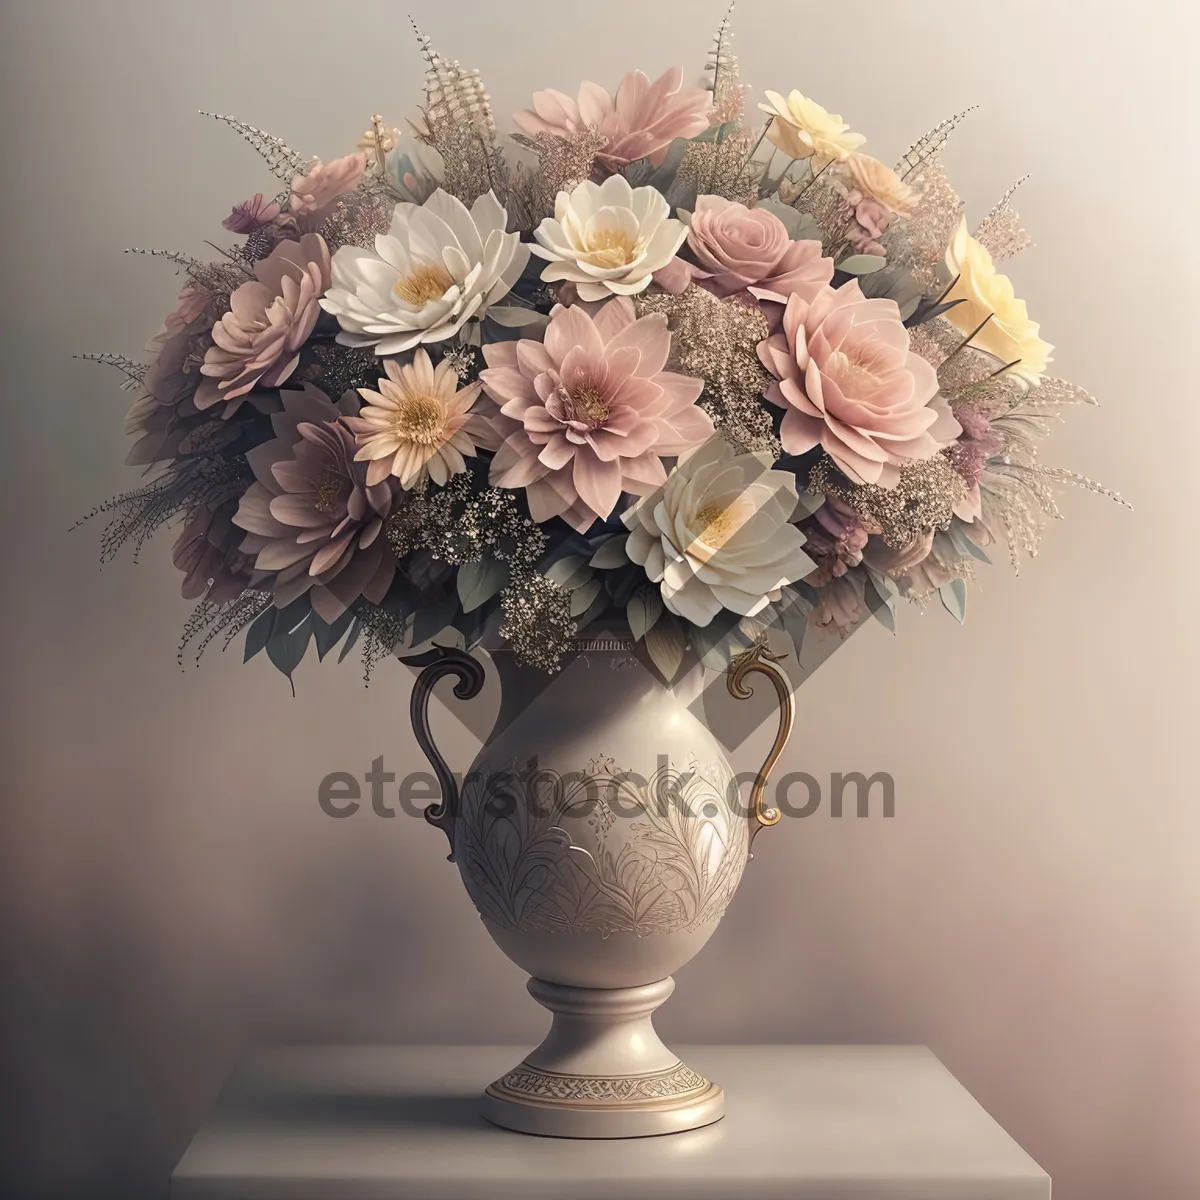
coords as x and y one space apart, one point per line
716 524
610 248
419 419
588 404
430 281
331 491
854 369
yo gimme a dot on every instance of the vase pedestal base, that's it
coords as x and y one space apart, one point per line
602 1071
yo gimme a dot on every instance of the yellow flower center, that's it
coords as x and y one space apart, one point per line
331 491
716 523
430 281
588 404
609 248
420 419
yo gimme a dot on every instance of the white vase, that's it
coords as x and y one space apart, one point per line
601 837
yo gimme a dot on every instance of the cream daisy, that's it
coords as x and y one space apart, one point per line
417 424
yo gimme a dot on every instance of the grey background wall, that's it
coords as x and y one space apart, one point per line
171 891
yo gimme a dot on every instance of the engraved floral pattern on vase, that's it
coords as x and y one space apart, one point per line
602 850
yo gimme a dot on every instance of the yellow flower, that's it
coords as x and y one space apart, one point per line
802 128
867 175
1010 335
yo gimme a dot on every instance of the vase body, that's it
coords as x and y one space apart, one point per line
601 837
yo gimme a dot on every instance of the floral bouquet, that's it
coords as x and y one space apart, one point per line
664 360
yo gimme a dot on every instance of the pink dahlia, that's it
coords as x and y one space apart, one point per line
741 247
590 412
641 120
257 343
312 521
848 382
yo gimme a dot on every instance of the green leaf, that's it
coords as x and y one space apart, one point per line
862 264
352 639
643 610
718 641
583 597
431 620
665 644
962 542
880 601
514 316
954 599
259 633
328 636
479 581
287 646
611 553
597 608
570 572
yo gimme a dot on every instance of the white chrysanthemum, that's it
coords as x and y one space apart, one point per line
608 238
438 266
718 534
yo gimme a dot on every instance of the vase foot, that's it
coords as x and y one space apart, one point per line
602 1071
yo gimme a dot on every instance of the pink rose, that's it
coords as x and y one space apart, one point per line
742 247
849 382
313 194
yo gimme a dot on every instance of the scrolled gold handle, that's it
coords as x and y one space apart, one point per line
759 660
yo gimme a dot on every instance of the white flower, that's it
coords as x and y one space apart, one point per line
608 237
717 534
438 266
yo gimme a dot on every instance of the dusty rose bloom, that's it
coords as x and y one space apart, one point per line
871 220
848 382
835 541
257 343
740 247
590 413
313 194
641 120
251 215
839 607
207 552
310 517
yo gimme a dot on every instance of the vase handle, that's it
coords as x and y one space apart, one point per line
438 662
759 660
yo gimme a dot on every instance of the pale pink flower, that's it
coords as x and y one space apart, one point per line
313 194
257 343
641 120
740 247
849 383
251 215
590 412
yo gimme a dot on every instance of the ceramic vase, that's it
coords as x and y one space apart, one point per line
601 836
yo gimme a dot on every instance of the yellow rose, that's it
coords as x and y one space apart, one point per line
862 173
1010 335
802 128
